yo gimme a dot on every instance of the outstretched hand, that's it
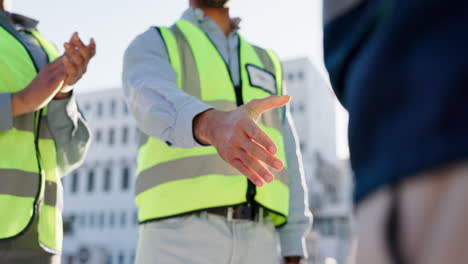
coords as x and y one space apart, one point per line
239 140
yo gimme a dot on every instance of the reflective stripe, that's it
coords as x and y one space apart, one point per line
19 183
190 77
24 122
53 195
177 170
199 166
266 60
224 105
44 132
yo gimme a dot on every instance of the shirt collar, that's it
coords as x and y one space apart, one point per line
20 21
197 17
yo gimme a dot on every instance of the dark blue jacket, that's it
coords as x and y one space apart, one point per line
400 67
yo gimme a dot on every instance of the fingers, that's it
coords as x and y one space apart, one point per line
92 48
259 153
82 49
72 68
257 107
74 54
252 176
254 132
256 166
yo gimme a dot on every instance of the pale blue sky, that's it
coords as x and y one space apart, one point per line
290 27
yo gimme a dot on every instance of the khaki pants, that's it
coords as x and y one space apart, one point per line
421 221
207 239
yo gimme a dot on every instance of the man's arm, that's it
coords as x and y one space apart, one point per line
161 109
164 111
292 235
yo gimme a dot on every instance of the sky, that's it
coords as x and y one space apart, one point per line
292 28
114 24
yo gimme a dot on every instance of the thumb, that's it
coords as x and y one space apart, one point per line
257 107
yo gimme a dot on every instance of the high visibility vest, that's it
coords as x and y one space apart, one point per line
29 181
173 181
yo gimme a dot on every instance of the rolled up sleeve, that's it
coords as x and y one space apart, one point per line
6 113
71 133
161 109
292 235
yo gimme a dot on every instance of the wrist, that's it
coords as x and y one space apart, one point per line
19 105
61 95
202 126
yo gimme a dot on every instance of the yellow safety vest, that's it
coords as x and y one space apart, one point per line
29 182
173 181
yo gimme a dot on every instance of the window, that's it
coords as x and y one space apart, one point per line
111 136
100 109
123 219
300 75
113 105
90 186
125 107
290 76
87 108
302 108
135 217
74 182
121 258
91 220
101 220
98 135
303 146
82 219
125 135
125 178
137 134
111 220
107 180
109 259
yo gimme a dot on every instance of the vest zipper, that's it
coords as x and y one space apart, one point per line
251 188
38 156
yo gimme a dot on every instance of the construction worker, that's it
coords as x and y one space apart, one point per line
42 136
209 105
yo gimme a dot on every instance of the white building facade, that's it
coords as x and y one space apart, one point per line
100 215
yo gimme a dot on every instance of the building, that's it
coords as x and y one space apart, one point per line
100 215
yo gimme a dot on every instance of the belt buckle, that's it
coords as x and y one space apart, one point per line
230 214
260 215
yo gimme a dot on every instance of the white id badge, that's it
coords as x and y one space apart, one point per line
262 79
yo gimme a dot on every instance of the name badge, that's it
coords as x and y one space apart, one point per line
262 79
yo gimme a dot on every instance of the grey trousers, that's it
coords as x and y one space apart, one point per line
207 239
431 216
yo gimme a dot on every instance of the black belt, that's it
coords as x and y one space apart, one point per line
240 212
